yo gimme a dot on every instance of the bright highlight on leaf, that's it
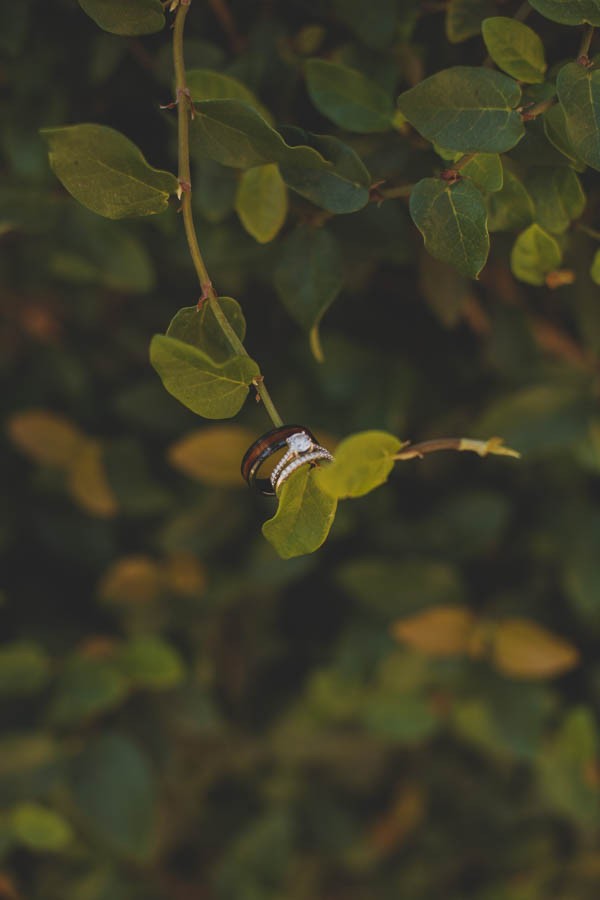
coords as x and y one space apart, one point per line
362 463
106 172
535 253
262 202
515 48
523 649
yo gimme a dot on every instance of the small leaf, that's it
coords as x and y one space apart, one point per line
569 12
86 688
515 48
262 202
39 828
558 197
114 789
466 109
304 516
212 455
309 274
373 23
24 669
200 328
348 97
534 254
210 389
131 18
523 649
453 221
131 580
464 17
578 90
485 170
440 631
106 172
343 187
151 663
88 482
45 437
362 462
511 207
207 84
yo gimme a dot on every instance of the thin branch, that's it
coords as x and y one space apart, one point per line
494 446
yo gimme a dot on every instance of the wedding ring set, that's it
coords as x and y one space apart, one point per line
300 447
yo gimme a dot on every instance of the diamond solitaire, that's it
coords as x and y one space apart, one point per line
299 443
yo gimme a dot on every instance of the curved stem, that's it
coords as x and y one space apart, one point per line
184 113
483 448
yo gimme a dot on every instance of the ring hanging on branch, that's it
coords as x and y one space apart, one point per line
300 446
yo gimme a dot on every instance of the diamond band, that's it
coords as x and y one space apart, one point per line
299 445
313 456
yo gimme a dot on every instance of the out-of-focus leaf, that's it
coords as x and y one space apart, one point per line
131 580
464 18
523 649
439 631
39 828
114 789
131 18
261 202
407 720
535 253
362 463
558 197
24 669
212 455
106 172
88 481
304 516
45 437
373 24
466 108
511 207
569 12
86 688
213 390
149 662
348 98
578 90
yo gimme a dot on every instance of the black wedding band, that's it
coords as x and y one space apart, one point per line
263 448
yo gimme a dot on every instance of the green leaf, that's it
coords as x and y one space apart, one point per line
200 328
405 720
86 688
24 669
309 274
341 188
511 207
485 171
595 268
555 129
348 97
207 84
106 172
558 197
234 134
467 109
114 789
362 462
452 219
304 516
464 17
578 90
373 23
130 18
565 766
262 202
151 662
515 48
210 389
39 828
569 12
534 254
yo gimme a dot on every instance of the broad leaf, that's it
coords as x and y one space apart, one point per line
206 84
262 202
534 254
88 482
558 197
130 18
234 134
212 455
464 17
342 188
579 93
485 170
309 274
200 328
452 219
467 109
304 516
523 649
569 12
348 97
555 128
362 462
106 172
440 631
45 437
210 389
515 48
114 789
511 207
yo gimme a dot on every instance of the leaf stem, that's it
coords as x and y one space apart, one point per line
185 111
586 40
493 446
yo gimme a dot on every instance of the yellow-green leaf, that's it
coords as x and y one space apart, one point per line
362 462
515 48
131 17
88 482
148 661
40 828
212 455
534 254
207 84
262 202
46 437
440 631
304 516
523 649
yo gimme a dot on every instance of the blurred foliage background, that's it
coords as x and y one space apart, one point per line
410 712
